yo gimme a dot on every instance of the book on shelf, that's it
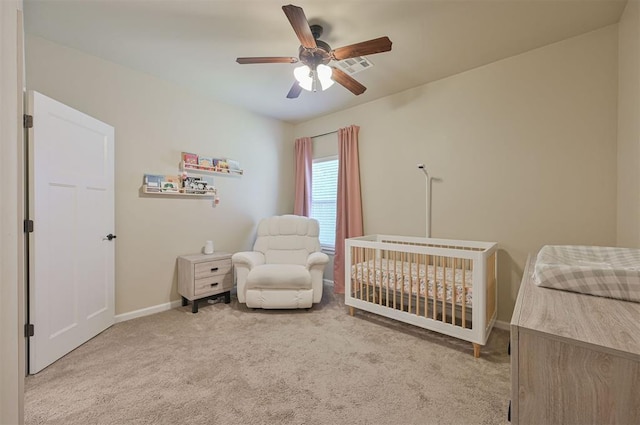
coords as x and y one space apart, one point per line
205 162
190 159
153 182
168 186
195 185
234 166
223 166
172 183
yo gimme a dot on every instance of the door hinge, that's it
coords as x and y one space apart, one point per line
28 330
28 226
27 121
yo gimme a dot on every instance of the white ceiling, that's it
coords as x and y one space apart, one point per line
195 43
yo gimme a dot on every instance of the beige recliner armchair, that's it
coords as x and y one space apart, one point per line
285 268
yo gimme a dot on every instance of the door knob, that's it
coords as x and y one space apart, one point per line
110 236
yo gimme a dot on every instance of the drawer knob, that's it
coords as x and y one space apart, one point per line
214 284
215 269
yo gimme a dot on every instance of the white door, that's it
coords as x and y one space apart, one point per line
71 203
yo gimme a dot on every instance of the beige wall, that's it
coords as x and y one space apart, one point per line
12 358
154 122
525 149
629 127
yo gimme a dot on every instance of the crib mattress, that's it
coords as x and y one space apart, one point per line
601 271
385 273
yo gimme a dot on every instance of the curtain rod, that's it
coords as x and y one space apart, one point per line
324 134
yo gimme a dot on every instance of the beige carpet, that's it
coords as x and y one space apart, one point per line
231 365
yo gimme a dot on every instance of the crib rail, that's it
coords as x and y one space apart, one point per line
421 284
448 285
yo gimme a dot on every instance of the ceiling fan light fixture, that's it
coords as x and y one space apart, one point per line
303 75
310 79
323 74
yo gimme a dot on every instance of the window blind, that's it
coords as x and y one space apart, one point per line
324 191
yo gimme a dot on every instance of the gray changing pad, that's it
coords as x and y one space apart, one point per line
602 271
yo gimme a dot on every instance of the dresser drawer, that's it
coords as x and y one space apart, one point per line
212 268
213 285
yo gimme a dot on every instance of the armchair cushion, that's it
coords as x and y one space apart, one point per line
279 276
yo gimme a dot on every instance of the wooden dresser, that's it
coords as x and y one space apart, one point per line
204 276
575 358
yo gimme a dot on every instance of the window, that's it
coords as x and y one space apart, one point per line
324 191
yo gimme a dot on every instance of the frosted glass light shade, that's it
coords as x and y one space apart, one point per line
303 76
309 79
324 75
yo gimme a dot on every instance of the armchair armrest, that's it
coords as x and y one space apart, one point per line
249 259
317 259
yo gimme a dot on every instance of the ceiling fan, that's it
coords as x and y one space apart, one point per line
315 54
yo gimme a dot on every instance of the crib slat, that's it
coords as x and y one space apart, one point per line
421 259
464 294
434 287
409 296
402 259
379 269
367 281
388 278
454 298
426 284
395 278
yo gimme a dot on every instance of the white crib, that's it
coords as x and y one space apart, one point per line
447 286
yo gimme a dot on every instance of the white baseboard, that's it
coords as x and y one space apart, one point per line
499 324
147 311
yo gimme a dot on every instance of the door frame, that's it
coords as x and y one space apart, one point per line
12 163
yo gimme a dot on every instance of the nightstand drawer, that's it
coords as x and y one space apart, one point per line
212 268
212 285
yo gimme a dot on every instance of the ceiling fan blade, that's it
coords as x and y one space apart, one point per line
295 91
300 25
370 47
275 59
340 77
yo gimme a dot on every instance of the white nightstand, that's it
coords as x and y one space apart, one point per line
204 276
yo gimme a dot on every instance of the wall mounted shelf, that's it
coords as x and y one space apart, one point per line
187 193
200 169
